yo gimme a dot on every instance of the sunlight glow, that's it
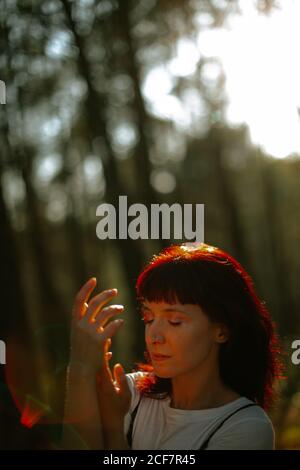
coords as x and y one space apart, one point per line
186 60
259 56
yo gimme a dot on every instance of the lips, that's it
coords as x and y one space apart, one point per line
159 357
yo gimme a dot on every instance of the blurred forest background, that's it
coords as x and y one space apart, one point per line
77 131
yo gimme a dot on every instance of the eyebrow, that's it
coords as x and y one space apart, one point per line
144 307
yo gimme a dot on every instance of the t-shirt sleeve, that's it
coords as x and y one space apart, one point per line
246 434
135 395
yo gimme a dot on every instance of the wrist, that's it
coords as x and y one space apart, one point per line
81 368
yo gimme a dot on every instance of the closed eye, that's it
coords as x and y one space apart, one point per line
173 323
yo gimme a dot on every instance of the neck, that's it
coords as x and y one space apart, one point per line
200 390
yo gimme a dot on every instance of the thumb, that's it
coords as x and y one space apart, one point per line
120 378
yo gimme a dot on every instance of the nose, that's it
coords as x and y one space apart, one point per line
156 334
156 339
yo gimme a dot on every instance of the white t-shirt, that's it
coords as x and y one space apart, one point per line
157 426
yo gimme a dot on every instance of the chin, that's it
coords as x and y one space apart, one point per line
161 374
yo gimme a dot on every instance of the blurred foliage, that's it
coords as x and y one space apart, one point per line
82 126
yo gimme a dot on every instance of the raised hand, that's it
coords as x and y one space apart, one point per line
90 328
113 390
114 399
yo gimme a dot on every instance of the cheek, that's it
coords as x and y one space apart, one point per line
196 342
147 336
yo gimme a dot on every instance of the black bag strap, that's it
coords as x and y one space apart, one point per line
205 443
132 418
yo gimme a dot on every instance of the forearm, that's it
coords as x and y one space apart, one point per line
82 427
114 437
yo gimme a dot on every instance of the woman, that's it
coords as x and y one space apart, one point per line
212 358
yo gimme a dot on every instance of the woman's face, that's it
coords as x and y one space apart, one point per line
182 333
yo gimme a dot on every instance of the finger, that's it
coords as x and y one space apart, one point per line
107 345
107 370
107 353
110 330
120 378
98 302
106 314
114 325
81 299
108 356
84 309
104 377
101 335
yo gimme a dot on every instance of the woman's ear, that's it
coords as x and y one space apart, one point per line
222 334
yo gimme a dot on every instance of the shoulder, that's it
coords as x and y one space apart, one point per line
134 377
132 380
249 428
